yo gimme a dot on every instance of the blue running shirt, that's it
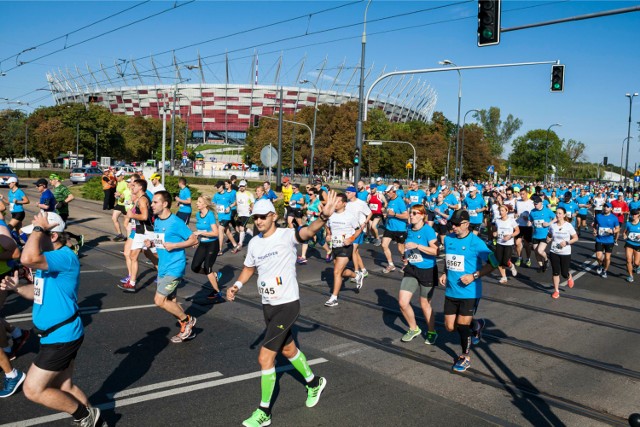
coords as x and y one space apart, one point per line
170 230
464 256
423 237
605 225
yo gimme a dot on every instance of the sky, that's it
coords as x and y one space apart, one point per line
600 55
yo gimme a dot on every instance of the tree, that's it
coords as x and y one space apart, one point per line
12 131
497 132
528 157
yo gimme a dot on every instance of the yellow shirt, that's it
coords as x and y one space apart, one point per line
287 191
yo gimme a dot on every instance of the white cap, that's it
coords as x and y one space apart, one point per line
120 173
378 179
12 179
243 183
52 218
473 188
263 207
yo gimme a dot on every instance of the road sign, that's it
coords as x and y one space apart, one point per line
269 156
636 178
305 162
637 173
185 153
490 169
409 165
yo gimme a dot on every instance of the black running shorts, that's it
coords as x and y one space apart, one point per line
604 247
460 306
279 320
57 357
343 251
396 236
526 233
634 247
18 215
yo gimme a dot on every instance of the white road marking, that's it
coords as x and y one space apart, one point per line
119 403
91 271
83 310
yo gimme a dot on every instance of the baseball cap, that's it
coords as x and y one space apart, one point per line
52 218
120 173
373 186
536 200
459 216
567 195
242 183
285 179
473 188
40 182
55 176
12 179
607 205
263 207
155 175
378 179
351 189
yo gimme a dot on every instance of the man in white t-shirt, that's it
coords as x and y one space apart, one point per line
524 206
155 184
244 203
360 209
273 254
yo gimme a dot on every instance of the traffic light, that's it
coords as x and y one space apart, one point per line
256 121
356 157
488 22
557 78
605 161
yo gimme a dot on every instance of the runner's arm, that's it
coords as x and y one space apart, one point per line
11 283
245 275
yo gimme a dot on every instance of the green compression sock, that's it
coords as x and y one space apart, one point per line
267 384
299 361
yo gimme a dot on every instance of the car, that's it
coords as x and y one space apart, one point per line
5 174
82 175
128 170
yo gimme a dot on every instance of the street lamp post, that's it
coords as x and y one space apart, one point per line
546 153
97 132
462 143
362 107
622 156
457 171
313 133
626 164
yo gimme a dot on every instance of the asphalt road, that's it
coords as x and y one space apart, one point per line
541 362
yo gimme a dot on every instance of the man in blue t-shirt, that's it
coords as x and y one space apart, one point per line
222 200
541 218
467 259
605 227
395 226
184 201
171 238
415 195
584 203
47 201
475 205
54 292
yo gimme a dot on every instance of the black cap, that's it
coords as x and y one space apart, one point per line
536 200
459 216
40 182
567 195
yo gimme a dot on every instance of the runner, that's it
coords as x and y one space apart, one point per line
183 199
362 193
361 211
287 191
223 202
63 197
441 218
294 207
108 188
122 195
541 219
269 193
523 207
395 227
561 236
343 229
156 183
584 203
244 201
55 317
605 227
421 274
415 195
171 237
208 246
377 203
17 200
47 199
465 255
620 209
314 210
476 206
272 253
632 245
504 231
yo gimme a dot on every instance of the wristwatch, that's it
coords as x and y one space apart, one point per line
38 228
476 275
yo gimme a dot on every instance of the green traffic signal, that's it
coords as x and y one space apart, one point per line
557 78
488 22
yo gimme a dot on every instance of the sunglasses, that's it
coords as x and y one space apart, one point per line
459 224
415 213
261 217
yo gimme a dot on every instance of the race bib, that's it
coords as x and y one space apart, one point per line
569 214
537 223
221 209
414 199
617 210
634 237
292 203
455 263
337 241
373 206
602 231
11 206
472 212
270 289
414 257
158 240
38 290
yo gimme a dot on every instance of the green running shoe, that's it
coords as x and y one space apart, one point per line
528 263
258 419
411 334
313 393
518 261
431 338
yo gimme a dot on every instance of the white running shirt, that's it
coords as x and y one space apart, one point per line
342 225
244 200
523 207
275 259
360 209
505 228
561 234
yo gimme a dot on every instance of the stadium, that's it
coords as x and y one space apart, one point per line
223 112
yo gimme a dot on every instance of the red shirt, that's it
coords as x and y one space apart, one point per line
619 208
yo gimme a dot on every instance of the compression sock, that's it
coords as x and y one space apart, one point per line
81 413
267 384
465 338
299 361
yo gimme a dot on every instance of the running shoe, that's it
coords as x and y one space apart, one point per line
555 295
218 276
528 262
604 275
637 269
377 242
545 266
476 336
127 287
389 269
125 279
599 270
75 248
18 343
313 393
236 249
92 420
514 272
365 273
331 303
411 334
258 419
616 243
432 336
630 279
503 281
359 280
187 326
570 282
301 260
11 385
81 240
178 338
328 258
119 238
518 262
462 364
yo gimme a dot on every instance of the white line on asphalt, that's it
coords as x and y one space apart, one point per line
91 271
164 384
158 395
83 310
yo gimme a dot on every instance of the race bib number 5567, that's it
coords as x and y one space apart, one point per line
455 263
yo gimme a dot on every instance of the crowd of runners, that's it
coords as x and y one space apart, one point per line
473 227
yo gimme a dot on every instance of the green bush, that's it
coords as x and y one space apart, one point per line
171 184
41 173
92 190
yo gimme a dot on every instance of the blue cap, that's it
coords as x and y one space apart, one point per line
351 189
373 186
608 204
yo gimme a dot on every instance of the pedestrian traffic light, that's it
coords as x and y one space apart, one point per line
557 78
356 157
488 22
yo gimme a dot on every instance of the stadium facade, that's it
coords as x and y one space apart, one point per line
225 111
